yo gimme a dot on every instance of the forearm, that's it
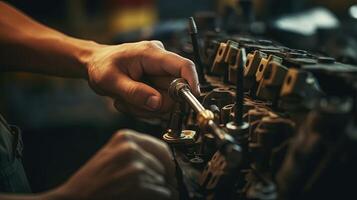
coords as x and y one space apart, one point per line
28 197
20 197
26 45
55 194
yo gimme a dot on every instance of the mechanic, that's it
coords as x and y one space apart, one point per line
130 165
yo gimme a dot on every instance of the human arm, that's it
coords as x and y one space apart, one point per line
129 166
136 75
29 46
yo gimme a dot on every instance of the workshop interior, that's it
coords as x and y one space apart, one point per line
277 114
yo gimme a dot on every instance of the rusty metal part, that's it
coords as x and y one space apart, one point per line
186 137
219 96
299 90
239 132
174 133
263 66
251 67
226 113
239 61
225 52
254 116
271 82
179 90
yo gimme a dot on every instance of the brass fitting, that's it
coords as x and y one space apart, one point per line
203 117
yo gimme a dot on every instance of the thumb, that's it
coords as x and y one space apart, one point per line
141 95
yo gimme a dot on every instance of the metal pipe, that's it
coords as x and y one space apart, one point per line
194 103
179 90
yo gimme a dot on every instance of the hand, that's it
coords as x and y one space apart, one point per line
129 166
137 76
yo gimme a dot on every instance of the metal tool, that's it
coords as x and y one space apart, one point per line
179 90
196 52
174 133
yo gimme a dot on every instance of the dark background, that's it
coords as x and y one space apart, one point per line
63 121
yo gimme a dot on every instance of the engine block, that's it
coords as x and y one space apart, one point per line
271 123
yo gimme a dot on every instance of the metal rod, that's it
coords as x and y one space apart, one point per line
179 89
196 51
194 103
182 90
216 130
238 114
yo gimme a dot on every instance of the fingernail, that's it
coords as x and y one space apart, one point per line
153 102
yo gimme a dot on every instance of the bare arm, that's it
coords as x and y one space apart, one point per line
130 166
29 46
28 197
112 70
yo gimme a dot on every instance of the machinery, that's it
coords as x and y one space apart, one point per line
271 123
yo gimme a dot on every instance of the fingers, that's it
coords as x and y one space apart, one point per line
156 61
160 82
158 43
137 181
137 112
157 148
126 107
141 113
137 173
154 192
178 66
136 153
140 94
118 72
153 146
123 169
167 103
154 154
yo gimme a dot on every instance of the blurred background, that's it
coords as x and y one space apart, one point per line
64 122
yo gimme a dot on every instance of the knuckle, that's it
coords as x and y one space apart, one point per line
149 45
138 167
118 135
189 64
167 150
132 90
166 147
158 42
131 150
124 135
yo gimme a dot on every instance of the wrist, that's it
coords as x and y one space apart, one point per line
86 50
